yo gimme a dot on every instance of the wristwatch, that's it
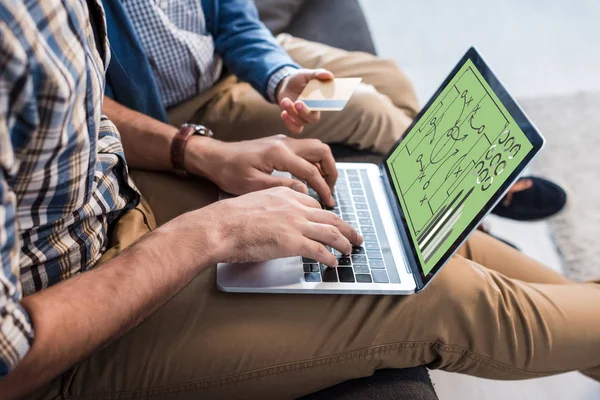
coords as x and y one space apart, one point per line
180 141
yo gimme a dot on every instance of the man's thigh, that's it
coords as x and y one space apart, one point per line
169 196
214 345
209 344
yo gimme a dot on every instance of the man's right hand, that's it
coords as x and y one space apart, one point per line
277 223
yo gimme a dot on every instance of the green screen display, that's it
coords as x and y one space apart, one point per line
452 162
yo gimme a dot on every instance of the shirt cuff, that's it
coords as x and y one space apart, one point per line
276 79
16 336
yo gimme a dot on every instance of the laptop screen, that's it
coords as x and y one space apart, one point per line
453 161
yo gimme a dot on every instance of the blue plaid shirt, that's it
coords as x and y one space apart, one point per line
63 176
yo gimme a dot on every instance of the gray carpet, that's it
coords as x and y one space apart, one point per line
571 157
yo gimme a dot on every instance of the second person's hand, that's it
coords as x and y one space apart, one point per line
294 113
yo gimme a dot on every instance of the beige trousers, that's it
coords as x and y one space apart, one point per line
491 312
380 110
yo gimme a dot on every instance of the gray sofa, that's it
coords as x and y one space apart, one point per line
341 23
337 23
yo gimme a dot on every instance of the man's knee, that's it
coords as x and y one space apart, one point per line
368 103
399 87
379 124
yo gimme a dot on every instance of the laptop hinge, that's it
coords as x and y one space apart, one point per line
397 215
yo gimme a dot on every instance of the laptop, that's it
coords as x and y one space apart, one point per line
455 162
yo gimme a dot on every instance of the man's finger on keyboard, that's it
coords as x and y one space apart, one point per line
329 218
307 201
309 173
317 251
317 152
328 235
264 181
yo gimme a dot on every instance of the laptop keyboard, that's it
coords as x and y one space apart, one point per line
367 263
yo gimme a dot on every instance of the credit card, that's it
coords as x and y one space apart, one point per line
330 95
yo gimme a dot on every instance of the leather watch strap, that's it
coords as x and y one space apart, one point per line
180 141
178 147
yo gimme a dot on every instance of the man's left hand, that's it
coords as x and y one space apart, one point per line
244 167
295 113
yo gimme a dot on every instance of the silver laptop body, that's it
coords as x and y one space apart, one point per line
384 271
417 208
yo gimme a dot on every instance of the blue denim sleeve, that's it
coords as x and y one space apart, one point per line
246 45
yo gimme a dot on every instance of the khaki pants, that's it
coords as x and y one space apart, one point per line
380 110
491 312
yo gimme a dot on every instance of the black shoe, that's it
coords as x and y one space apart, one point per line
542 200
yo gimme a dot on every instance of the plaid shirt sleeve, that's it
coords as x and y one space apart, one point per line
16 332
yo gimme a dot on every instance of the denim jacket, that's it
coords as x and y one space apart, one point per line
247 47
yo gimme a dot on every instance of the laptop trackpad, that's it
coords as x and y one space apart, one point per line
274 273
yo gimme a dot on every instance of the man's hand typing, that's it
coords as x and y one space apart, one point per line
276 223
244 167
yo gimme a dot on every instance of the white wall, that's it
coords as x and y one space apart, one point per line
536 47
